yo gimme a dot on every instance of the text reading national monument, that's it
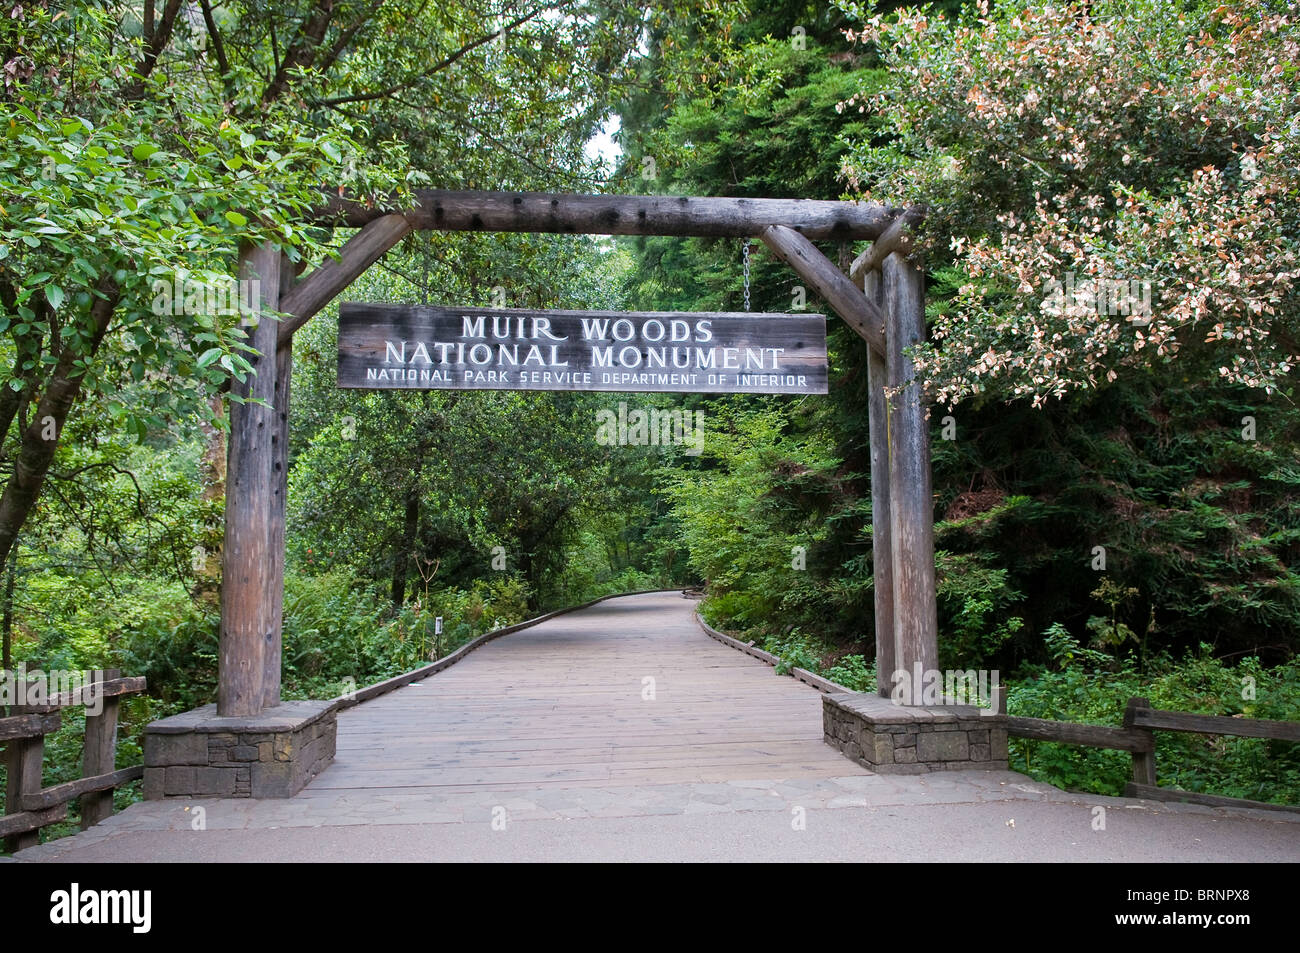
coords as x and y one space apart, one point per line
420 347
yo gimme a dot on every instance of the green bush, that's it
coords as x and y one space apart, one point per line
1086 686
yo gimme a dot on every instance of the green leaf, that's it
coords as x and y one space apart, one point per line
236 219
208 356
143 151
54 295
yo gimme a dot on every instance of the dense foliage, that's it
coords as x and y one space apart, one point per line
1123 479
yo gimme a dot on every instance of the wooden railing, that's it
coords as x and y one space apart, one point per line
28 805
1137 737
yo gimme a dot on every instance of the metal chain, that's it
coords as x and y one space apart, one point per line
745 256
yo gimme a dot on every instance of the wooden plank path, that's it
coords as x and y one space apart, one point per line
569 703
547 731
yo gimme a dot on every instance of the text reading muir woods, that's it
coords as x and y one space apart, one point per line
422 347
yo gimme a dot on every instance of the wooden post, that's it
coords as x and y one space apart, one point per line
1144 762
911 506
881 552
247 636
273 663
24 758
99 756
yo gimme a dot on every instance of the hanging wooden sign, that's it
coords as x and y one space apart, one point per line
416 347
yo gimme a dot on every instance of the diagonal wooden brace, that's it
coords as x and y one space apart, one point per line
312 293
858 311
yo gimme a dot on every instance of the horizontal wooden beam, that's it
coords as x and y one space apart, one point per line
29 726
1216 724
850 303
89 694
1070 733
24 821
896 238
1150 792
313 292
617 214
63 793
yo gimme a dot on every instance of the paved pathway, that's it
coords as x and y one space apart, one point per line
622 732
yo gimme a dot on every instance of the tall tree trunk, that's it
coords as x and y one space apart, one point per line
36 452
11 571
212 477
410 530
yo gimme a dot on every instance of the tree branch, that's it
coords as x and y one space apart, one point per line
156 41
302 51
441 65
37 453
218 48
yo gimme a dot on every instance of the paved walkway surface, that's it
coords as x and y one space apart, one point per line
623 732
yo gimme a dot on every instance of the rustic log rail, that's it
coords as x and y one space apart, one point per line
28 805
1137 737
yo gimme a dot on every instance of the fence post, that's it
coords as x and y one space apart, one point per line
1144 762
99 756
24 758
998 698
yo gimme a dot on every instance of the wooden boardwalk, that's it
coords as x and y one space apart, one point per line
540 746
569 703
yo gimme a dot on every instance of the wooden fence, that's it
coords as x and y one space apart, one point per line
1137 737
28 805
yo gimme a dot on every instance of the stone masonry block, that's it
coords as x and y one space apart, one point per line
164 750
943 746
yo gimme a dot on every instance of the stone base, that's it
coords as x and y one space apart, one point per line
894 739
270 755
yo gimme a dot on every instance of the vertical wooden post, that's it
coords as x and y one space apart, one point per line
911 506
24 759
279 496
1144 762
246 629
882 559
99 757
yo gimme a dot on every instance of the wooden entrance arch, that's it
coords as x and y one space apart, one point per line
882 299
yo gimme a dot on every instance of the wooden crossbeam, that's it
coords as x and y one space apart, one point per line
1216 724
23 827
111 687
20 727
617 214
82 787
